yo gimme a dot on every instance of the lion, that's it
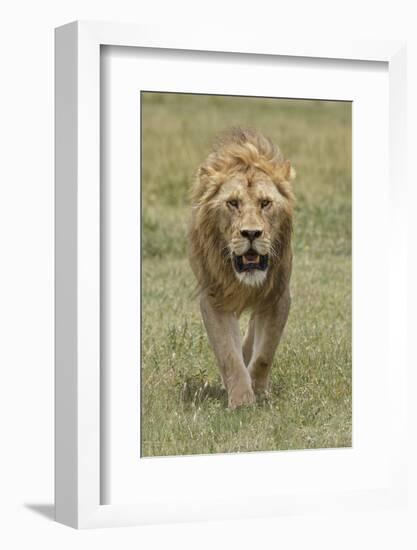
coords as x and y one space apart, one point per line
239 248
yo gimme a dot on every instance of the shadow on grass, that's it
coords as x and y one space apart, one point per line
276 390
195 391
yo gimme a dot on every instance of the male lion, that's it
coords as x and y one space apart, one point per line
240 251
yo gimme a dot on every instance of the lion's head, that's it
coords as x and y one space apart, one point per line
242 214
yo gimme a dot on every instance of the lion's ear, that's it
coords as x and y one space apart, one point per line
205 185
203 171
287 171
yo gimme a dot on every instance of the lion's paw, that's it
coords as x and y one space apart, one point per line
241 396
260 386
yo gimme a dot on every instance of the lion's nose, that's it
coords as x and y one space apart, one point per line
251 234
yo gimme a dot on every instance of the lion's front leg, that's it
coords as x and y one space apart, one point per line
248 341
224 336
269 326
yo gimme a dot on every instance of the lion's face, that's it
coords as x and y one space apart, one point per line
249 210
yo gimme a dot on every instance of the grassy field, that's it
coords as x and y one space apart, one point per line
183 405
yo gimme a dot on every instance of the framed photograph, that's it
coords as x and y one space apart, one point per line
229 323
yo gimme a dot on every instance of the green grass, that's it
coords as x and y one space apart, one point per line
183 405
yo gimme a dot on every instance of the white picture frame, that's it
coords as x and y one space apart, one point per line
78 405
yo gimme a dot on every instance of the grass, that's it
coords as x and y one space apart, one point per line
183 405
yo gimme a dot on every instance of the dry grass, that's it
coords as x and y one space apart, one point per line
183 405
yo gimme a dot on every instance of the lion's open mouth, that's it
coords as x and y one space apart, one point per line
250 261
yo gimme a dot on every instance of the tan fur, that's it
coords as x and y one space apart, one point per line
246 166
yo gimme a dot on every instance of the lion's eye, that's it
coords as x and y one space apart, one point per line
265 203
233 204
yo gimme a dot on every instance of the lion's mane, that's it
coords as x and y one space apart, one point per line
238 150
